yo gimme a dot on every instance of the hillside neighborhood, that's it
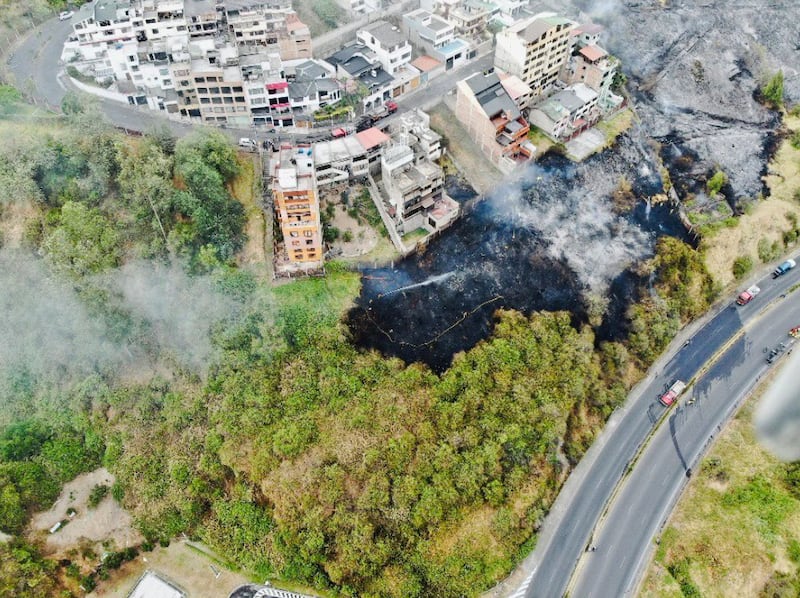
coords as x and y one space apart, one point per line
250 64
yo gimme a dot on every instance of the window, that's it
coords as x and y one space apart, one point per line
202 90
213 90
308 233
309 241
294 233
226 90
199 79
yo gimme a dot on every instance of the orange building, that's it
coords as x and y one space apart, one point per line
294 192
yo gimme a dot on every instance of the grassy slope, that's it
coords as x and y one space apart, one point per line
733 550
766 219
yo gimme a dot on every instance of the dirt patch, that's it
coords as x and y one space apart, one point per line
107 522
192 567
362 238
244 189
14 217
767 220
467 156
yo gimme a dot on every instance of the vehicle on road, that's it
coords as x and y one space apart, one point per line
747 296
339 132
780 350
794 332
382 111
783 268
66 15
669 397
248 144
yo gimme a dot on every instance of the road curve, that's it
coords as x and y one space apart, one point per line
618 559
624 539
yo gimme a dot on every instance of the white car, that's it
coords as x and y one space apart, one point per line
66 15
248 144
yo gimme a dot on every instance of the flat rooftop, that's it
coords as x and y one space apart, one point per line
152 586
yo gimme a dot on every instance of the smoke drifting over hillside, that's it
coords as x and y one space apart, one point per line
777 419
152 312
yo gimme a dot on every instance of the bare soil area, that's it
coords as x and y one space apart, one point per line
14 217
107 522
466 155
190 566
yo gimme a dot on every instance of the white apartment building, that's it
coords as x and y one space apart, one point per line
535 50
388 43
428 30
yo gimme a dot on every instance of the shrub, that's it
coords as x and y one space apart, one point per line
767 251
715 184
741 266
772 92
97 494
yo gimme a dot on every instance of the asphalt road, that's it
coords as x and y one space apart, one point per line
645 499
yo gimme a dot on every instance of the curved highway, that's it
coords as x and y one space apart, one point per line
735 337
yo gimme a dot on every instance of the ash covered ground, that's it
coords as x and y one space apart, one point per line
546 242
553 239
693 67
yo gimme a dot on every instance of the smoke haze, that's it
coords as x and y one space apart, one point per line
48 331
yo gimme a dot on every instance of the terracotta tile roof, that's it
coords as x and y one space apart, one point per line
425 63
593 53
372 137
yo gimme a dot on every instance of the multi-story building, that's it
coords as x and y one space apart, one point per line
358 67
312 85
294 193
413 186
535 50
567 113
256 25
493 120
180 56
388 43
592 65
209 84
428 30
413 128
267 90
470 17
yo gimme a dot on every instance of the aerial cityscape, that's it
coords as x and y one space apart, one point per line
449 298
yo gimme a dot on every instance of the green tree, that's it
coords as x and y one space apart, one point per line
9 97
772 92
742 266
84 242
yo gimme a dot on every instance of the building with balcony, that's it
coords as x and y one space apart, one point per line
568 113
427 30
413 187
388 43
535 50
359 69
413 128
193 57
294 193
592 65
493 120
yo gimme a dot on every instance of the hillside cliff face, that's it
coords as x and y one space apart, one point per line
694 67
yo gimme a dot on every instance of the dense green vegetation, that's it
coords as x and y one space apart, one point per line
291 452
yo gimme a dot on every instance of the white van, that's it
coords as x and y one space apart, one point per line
248 144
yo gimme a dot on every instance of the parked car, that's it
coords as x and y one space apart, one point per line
66 15
248 144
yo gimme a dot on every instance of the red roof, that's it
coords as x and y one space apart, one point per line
425 63
372 137
593 53
278 85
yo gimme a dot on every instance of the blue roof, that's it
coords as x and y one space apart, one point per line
453 47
